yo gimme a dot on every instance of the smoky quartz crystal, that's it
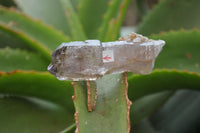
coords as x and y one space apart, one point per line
91 59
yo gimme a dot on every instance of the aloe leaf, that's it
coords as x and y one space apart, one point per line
140 86
142 7
115 13
110 14
154 22
112 101
77 31
144 127
33 29
180 114
29 115
186 42
14 39
177 14
49 11
111 28
162 80
147 105
20 83
183 77
12 59
181 51
7 3
60 92
69 129
91 94
185 58
75 4
91 15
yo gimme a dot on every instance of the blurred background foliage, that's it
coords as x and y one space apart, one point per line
31 100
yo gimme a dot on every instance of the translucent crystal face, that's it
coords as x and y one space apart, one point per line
92 59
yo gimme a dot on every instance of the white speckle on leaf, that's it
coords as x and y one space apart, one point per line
117 100
27 57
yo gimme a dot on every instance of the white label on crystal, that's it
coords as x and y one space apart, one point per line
108 56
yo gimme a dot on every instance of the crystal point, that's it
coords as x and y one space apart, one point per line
91 59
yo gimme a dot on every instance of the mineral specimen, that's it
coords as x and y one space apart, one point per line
91 59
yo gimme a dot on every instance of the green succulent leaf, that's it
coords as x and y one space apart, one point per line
181 51
93 10
162 80
14 39
111 101
28 84
31 28
75 4
142 7
114 15
7 3
77 31
49 11
147 105
60 92
171 15
12 59
30 115
109 33
141 86
70 129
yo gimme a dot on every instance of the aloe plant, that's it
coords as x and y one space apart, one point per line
32 100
